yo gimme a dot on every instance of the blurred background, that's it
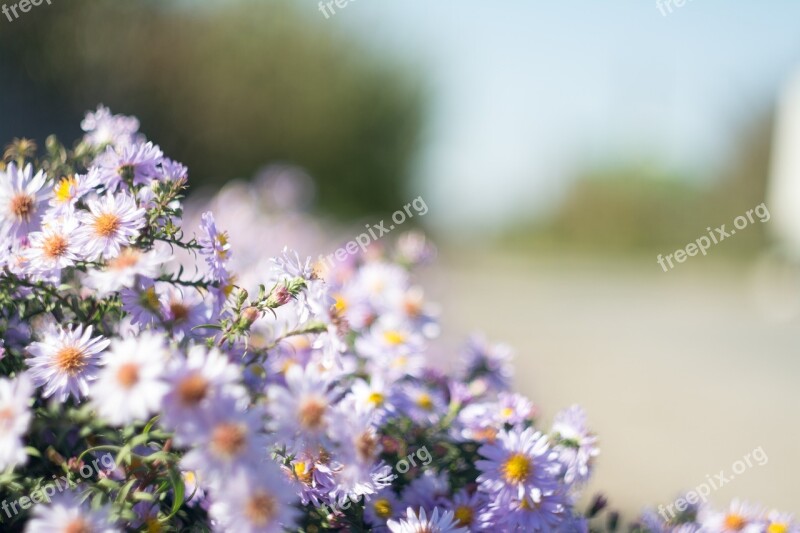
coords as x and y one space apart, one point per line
560 147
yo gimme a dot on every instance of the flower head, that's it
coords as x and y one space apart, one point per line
21 199
65 361
111 223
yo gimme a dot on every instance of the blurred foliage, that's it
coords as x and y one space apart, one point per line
228 86
642 207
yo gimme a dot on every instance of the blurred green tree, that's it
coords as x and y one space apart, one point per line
228 86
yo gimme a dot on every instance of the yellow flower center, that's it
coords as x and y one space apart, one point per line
517 468
153 525
106 225
507 412
149 299
383 508
464 515
70 360
777 527
425 402
302 472
63 191
376 399
341 303
394 338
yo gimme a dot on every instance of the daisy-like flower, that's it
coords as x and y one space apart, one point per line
172 171
777 522
103 128
301 409
232 442
130 385
123 270
537 512
15 416
255 502
313 477
382 507
740 516
21 199
422 404
466 507
183 309
136 164
195 383
372 396
67 514
215 247
490 365
53 248
69 189
418 522
518 465
577 446
142 303
111 223
65 361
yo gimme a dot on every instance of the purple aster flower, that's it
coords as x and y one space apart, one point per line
418 522
382 507
577 446
215 247
15 417
65 361
740 516
467 507
490 364
173 171
103 128
518 465
142 303
111 223
534 512
257 501
21 199
136 164
195 383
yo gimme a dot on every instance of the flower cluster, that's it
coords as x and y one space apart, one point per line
740 516
235 386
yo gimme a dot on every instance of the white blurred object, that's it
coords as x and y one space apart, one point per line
783 195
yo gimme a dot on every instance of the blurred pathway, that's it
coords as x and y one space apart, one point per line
680 373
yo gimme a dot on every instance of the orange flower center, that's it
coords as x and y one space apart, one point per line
106 225
126 259
128 375
228 439
78 526
70 360
464 514
261 509
735 522
54 246
192 389
311 413
22 206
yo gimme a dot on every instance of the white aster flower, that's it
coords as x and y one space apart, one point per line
130 385
255 502
65 362
196 383
21 199
55 247
420 523
15 416
121 272
111 223
67 514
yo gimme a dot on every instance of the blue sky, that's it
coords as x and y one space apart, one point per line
525 93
